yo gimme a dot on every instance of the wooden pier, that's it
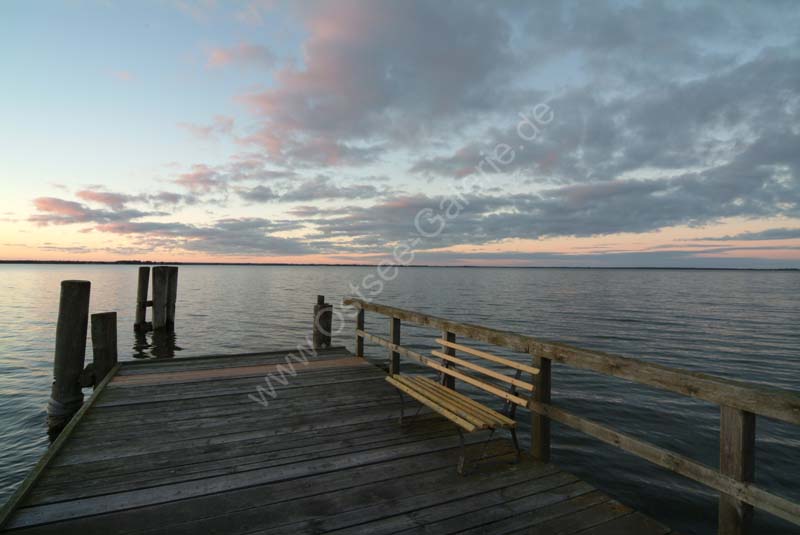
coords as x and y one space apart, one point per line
307 440
180 447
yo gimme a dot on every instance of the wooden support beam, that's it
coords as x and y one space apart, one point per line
104 345
737 441
172 295
140 323
160 297
359 338
448 380
394 338
66 396
323 323
540 423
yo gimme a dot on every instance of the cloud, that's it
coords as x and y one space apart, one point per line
220 125
107 198
241 54
379 71
258 194
764 235
228 236
55 211
124 76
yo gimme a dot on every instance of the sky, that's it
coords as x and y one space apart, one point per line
514 133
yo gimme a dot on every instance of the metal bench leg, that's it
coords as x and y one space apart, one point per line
462 460
402 403
516 444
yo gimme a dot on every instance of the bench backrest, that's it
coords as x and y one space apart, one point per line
449 363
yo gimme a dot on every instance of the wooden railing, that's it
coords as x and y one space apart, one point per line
739 404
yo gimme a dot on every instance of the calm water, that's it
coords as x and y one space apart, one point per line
735 324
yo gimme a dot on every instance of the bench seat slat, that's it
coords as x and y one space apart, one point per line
437 393
461 410
501 419
398 383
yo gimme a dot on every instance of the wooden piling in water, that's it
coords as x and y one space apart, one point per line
160 296
66 396
104 344
323 323
141 324
172 295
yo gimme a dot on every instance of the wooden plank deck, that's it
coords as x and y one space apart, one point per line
177 446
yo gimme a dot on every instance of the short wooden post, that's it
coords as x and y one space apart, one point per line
394 336
160 296
448 380
540 425
323 323
66 396
737 442
140 324
359 338
172 295
104 344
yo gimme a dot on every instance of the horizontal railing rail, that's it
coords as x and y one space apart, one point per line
739 403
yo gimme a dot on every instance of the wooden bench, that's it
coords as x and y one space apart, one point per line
468 415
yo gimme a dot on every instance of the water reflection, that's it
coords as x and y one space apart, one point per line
155 344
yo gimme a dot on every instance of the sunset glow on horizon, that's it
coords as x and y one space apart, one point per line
602 134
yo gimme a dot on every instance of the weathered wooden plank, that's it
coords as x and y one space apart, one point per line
772 402
55 448
434 506
213 485
519 520
258 497
580 521
192 376
632 524
679 464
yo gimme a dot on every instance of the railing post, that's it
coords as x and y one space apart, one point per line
737 440
394 336
160 296
359 338
540 425
104 344
140 324
323 321
448 380
66 396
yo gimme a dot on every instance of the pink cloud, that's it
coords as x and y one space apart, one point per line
108 198
200 179
220 125
243 54
124 76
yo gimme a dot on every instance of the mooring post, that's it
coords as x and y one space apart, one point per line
160 296
66 396
737 444
104 344
172 296
140 324
540 425
323 323
359 338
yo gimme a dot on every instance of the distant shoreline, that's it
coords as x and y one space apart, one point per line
268 264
